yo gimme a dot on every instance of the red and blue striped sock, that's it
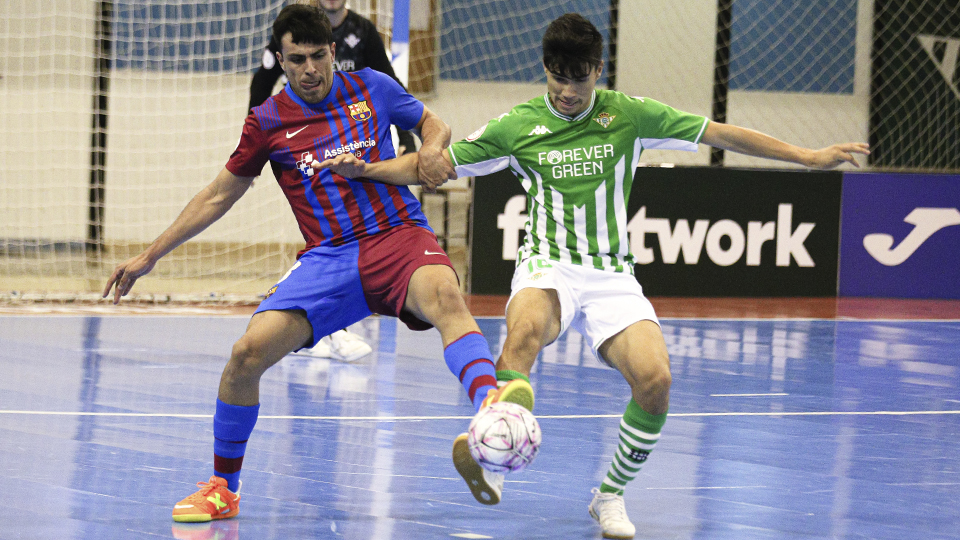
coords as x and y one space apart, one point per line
232 425
470 360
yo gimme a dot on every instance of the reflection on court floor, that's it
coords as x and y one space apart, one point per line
777 429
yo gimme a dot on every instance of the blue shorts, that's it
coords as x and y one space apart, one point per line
336 286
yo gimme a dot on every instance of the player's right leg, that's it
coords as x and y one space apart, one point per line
269 337
533 321
320 294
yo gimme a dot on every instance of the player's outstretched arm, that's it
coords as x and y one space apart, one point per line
401 171
205 208
753 143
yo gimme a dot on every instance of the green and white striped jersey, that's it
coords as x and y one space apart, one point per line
577 172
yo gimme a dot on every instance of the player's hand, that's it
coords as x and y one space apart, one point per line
836 155
126 274
346 165
433 170
401 150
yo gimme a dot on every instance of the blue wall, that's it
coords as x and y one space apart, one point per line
508 33
500 40
820 60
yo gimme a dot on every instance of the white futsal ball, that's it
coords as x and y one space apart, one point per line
504 437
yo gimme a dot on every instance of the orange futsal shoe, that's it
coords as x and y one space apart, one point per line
213 501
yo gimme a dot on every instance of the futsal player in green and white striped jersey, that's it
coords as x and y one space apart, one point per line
574 151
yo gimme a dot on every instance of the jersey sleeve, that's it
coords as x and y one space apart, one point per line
484 151
405 110
252 152
662 127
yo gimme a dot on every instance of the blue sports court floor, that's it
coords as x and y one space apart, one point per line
787 428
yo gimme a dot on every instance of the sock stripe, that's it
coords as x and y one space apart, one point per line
463 336
627 464
227 465
653 437
634 444
480 382
617 488
466 368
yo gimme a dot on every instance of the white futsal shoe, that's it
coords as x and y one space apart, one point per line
608 509
341 345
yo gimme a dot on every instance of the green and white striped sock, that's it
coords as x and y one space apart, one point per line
639 433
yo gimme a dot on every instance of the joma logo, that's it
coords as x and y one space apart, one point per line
926 221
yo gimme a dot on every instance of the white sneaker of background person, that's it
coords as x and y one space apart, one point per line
340 345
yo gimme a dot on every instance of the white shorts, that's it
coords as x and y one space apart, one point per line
597 303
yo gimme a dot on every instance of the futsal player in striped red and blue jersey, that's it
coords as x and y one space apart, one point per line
368 248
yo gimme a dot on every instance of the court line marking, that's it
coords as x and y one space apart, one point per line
751 395
422 418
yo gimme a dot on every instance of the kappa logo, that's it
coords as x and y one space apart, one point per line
926 222
944 52
539 130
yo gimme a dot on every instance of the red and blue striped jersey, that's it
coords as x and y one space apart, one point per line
354 117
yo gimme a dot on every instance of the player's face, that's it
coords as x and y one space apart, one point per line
571 96
308 67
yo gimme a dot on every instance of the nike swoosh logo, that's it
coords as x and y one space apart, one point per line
290 135
182 506
426 252
926 221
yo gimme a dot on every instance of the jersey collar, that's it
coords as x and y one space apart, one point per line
586 112
330 96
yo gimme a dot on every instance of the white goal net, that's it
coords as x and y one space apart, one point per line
113 114
163 112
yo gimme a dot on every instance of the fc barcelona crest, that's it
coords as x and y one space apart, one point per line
360 111
604 119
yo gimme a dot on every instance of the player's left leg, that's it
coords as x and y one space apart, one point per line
406 274
621 327
433 295
640 354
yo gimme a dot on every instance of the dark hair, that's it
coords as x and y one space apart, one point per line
572 46
307 24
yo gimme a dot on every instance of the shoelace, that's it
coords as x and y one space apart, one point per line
614 508
205 489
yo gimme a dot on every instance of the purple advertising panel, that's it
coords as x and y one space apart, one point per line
900 235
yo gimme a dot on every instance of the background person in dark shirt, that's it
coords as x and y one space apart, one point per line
358 46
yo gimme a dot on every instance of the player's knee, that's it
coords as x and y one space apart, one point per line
246 360
448 298
527 333
660 379
657 381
